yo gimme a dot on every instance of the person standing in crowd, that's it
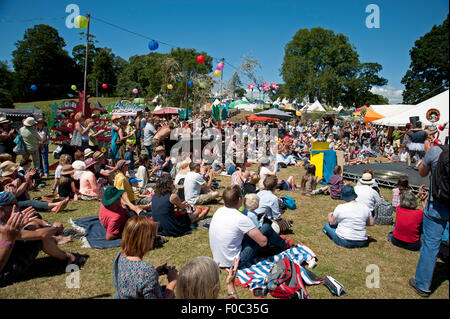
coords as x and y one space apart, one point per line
417 137
43 147
7 136
435 219
149 133
31 139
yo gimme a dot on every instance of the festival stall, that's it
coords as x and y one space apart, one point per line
275 113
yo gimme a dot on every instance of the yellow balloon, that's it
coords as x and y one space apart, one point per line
80 22
170 86
217 73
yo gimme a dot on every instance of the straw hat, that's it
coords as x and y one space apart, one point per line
67 169
367 179
8 168
4 120
184 168
88 152
97 155
121 164
29 121
160 149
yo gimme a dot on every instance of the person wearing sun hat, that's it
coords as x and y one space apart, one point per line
366 194
346 225
89 187
7 136
31 139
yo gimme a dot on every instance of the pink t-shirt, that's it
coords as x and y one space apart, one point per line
114 222
88 184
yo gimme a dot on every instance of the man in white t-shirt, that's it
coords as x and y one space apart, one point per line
196 189
366 194
228 229
346 226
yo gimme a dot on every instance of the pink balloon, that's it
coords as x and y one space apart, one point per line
220 66
135 91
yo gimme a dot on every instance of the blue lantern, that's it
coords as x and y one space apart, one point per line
153 45
33 87
190 83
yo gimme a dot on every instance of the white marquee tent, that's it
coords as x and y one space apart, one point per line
315 107
439 102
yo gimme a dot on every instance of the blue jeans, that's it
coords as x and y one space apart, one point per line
250 247
149 150
43 155
403 244
435 219
330 231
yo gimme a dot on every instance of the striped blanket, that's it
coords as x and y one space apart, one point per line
254 277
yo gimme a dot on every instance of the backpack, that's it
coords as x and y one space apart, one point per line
288 201
383 213
20 148
285 281
440 179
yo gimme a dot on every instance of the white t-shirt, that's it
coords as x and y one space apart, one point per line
367 195
352 218
142 175
226 232
262 176
58 172
192 186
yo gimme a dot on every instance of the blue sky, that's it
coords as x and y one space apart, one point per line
233 28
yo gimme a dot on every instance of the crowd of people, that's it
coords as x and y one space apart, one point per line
145 192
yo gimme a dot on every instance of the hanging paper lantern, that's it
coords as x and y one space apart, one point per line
217 73
153 45
202 85
74 87
81 22
135 91
220 66
33 87
190 83
170 86
105 86
201 59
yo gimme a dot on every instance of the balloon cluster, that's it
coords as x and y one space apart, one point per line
271 88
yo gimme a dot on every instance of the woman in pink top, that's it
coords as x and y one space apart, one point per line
89 187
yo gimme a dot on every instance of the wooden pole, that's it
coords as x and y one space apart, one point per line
85 64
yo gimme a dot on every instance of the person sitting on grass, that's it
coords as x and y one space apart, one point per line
309 182
336 182
37 235
408 222
402 186
161 162
250 185
90 189
132 277
174 217
19 185
63 160
346 226
200 279
196 190
233 234
121 181
112 214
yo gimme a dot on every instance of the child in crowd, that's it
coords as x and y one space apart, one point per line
129 156
251 203
250 185
336 182
402 186
63 160
66 185
309 182
404 155
160 161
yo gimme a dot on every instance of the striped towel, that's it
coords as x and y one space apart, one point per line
254 277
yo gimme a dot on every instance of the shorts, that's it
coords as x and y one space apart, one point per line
204 199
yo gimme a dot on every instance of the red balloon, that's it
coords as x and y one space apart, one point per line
104 85
201 59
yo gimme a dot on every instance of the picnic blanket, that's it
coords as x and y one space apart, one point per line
254 277
94 233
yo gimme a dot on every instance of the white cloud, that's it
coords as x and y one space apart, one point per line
394 95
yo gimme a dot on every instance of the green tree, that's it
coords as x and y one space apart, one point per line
6 79
428 72
41 60
321 65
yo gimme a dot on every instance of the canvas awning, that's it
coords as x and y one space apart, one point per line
261 118
167 111
275 113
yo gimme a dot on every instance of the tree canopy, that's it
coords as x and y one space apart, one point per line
321 65
428 72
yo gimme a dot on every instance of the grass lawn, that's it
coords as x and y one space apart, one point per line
351 267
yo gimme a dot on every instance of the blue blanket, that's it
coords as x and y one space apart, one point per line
94 233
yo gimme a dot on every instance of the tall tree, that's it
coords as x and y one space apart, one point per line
321 65
6 78
428 72
41 60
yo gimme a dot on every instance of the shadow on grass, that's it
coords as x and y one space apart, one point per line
440 275
41 268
